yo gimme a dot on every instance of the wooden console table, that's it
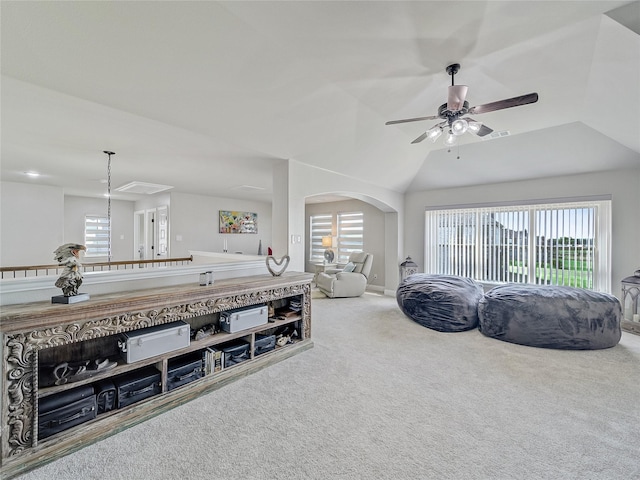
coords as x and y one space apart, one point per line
44 330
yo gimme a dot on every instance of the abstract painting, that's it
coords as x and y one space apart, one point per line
238 222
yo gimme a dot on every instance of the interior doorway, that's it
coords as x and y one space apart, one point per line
151 233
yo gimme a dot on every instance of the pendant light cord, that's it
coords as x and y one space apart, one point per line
109 206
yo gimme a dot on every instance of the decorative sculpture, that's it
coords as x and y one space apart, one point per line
284 260
68 256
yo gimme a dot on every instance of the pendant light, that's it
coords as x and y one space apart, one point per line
109 206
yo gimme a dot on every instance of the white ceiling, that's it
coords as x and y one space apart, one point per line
206 96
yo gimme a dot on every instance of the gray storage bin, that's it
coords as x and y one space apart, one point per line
149 342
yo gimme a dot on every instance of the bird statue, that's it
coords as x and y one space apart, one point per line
68 256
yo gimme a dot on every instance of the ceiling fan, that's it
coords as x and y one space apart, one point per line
455 111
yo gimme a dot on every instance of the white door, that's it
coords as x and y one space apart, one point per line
162 229
139 236
151 233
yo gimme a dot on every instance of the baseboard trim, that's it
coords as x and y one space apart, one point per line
382 290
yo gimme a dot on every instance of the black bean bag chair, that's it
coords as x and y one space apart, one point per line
441 302
551 317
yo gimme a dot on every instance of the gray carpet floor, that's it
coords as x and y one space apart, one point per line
381 397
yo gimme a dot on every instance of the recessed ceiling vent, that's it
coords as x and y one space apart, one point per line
492 135
143 188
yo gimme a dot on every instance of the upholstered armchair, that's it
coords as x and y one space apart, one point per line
351 281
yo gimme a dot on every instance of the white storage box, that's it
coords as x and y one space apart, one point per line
152 341
233 321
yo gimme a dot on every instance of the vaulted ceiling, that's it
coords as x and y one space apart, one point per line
205 96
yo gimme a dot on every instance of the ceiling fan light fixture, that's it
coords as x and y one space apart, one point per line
433 133
450 139
459 126
474 127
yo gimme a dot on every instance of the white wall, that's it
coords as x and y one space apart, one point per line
153 201
54 219
193 221
281 217
32 223
37 219
623 185
75 209
374 233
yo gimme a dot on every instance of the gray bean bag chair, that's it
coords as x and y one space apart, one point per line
551 317
441 302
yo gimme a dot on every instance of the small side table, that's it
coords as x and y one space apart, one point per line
321 267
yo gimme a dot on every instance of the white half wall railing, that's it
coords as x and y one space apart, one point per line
42 288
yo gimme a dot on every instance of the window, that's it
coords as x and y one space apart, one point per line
350 235
320 226
564 243
96 235
349 238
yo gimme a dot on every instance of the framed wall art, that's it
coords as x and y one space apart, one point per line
238 222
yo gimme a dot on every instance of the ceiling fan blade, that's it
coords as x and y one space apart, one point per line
420 138
507 103
456 97
484 130
418 119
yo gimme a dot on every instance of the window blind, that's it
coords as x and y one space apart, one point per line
320 226
350 234
552 244
96 235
